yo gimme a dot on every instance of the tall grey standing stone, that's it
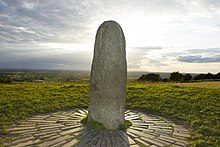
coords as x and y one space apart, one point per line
107 94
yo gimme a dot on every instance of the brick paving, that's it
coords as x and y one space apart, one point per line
64 129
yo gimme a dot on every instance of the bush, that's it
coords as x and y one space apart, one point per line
217 76
150 77
176 77
165 80
6 80
187 77
204 76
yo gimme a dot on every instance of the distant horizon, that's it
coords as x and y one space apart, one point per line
29 69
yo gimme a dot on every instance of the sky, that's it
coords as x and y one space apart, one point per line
161 35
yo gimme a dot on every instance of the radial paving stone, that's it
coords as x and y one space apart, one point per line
64 129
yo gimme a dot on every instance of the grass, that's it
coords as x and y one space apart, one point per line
203 84
22 100
198 106
92 124
127 124
100 126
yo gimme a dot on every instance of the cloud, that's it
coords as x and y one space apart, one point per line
200 51
37 60
134 58
139 57
39 21
156 62
213 27
199 59
148 48
68 21
208 55
3 5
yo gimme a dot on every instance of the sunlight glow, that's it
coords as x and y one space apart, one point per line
73 47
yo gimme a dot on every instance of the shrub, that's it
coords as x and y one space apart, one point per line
187 77
204 76
6 80
176 77
217 76
165 80
150 77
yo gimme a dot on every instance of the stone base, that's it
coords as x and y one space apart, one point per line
64 129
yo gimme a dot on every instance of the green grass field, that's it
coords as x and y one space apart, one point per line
197 106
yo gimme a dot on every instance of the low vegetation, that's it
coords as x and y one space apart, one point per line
22 100
125 126
178 77
197 106
100 126
92 124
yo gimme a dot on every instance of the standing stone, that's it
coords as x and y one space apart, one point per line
107 94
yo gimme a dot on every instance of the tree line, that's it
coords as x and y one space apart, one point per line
178 77
9 79
6 80
152 77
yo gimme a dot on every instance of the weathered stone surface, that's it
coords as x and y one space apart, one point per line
108 77
58 134
55 141
71 131
71 143
142 142
23 140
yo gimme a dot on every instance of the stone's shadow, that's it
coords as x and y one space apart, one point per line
103 138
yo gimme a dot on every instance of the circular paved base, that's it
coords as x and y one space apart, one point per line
64 129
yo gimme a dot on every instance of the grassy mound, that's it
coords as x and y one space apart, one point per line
198 106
